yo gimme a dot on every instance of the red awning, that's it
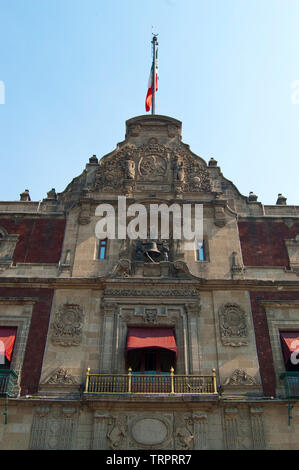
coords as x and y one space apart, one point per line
290 343
7 341
140 338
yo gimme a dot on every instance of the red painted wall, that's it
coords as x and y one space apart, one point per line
262 243
40 240
262 336
37 336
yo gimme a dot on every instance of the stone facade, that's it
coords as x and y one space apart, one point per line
73 308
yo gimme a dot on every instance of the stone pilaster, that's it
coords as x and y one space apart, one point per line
257 426
100 429
231 428
200 430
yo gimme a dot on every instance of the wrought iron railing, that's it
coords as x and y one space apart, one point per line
291 384
164 383
7 380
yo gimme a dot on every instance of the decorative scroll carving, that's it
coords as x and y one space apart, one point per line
184 435
233 325
67 326
122 268
117 433
193 309
240 377
61 377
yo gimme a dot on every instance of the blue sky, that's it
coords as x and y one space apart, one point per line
75 70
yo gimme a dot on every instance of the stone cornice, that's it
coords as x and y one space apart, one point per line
105 282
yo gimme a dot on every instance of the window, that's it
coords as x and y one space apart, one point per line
102 254
7 341
151 350
151 360
200 251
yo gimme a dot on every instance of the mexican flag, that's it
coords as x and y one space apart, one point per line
149 95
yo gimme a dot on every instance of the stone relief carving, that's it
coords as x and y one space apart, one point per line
150 164
240 377
67 326
129 166
190 172
61 377
53 428
184 435
117 432
233 325
150 315
113 171
151 291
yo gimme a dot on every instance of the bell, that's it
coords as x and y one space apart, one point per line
152 251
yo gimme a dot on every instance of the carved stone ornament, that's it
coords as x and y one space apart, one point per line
233 325
117 432
189 171
151 292
240 378
61 377
67 326
115 171
153 162
150 315
184 435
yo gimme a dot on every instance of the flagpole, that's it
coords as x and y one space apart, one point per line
155 43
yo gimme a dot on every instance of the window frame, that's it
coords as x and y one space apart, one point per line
202 249
102 244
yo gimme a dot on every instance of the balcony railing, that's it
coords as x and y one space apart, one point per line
291 384
164 383
7 380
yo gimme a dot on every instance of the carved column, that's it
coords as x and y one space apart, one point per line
100 429
193 336
231 428
200 430
108 337
38 436
257 426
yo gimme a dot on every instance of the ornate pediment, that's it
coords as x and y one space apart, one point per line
152 167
